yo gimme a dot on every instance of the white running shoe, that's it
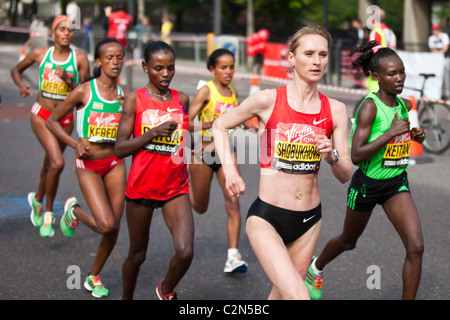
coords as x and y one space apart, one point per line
235 264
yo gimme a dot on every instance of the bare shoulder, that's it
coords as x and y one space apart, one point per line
265 98
38 54
337 106
183 97
81 55
408 103
131 95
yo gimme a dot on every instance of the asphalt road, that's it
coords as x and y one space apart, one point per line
34 268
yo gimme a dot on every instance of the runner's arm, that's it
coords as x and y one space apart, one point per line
342 169
83 68
77 97
199 101
35 56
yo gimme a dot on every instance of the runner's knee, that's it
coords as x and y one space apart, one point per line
347 244
415 248
184 253
56 165
199 208
137 257
107 227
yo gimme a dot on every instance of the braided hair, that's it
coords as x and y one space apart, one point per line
369 57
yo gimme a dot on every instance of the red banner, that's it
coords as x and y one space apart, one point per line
275 61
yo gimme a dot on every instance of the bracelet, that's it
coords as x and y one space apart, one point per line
336 155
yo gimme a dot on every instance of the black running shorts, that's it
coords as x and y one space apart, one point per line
364 192
289 224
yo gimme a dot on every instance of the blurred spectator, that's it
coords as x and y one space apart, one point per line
105 19
166 29
356 24
144 30
87 34
119 22
382 34
439 42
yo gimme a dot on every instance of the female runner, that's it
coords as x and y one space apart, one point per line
100 173
156 117
297 124
210 102
381 125
61 69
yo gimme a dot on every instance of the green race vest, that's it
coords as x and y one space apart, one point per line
50 84
99 118
392 159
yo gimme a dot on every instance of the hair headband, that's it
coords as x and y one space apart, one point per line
376 48
58 20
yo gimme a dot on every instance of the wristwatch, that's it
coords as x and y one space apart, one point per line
336 155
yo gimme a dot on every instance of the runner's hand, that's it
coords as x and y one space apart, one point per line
235 185
418 134
82 151
165 129
399 126
25 92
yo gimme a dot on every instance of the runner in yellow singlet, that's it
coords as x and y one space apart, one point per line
210 102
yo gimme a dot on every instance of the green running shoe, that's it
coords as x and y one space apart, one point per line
46 229
67 223
36 210
314 284
94 285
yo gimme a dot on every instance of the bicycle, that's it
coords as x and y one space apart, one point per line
434 117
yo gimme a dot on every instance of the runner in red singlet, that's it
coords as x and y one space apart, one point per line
155 116
299 126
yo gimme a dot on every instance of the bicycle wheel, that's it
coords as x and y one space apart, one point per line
435 118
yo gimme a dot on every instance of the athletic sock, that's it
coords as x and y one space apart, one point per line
71 213
232 252
314 268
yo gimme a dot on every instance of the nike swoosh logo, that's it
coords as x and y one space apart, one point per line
170 110
317 122
307 219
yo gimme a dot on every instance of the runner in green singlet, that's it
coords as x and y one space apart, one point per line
101 175
380 148
61 69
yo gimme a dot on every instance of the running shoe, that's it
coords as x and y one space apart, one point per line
46 229
314 284
162 296
235 264
95 286
68 223
36 210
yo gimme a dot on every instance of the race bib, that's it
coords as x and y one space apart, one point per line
54 87
103 126
163 145
295 150
397 152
